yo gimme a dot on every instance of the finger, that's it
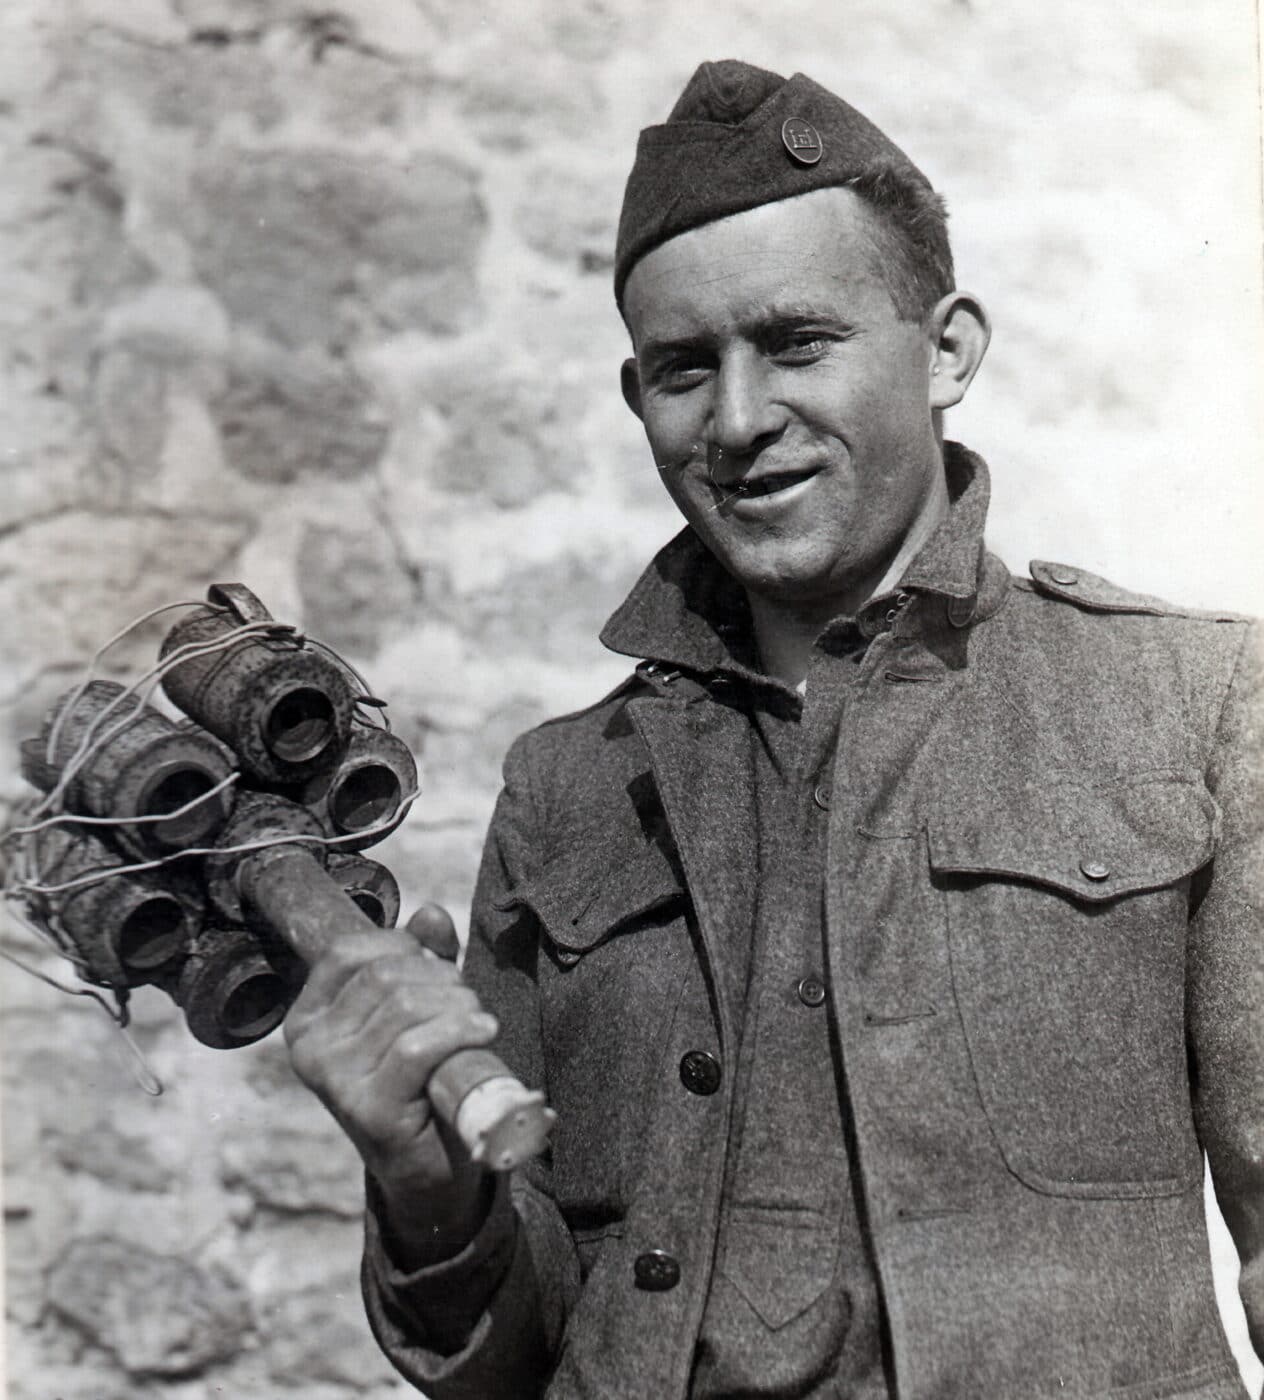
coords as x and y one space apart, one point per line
407 1006
347 954
433 928
416 1053
351 990
379 1124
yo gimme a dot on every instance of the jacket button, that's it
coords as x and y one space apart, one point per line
822 796
656 1272
1094 870
1066 577
811 991
700 1072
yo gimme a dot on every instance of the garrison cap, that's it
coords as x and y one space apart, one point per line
739 137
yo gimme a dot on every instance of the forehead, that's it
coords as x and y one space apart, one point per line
794 254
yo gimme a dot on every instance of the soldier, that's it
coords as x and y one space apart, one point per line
889 943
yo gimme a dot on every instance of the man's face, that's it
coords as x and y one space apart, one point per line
786 404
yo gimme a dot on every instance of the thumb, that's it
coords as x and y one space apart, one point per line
433 928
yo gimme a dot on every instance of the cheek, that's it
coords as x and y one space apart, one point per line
687 498
671 465
673 428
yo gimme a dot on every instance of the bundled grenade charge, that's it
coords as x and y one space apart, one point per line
231 850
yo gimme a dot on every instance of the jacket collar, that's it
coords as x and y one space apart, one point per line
685 612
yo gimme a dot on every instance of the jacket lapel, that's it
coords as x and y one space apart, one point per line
702 765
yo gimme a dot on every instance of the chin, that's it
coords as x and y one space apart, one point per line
788 588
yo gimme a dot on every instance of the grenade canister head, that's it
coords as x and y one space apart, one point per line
283 708
232 993
370 885
131 762
127 928
366 791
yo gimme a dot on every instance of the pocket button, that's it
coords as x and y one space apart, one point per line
811 991
1094 870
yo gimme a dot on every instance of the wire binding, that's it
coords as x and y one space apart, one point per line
366 696
90 743
97 877
76 819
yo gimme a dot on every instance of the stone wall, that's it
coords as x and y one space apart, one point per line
316 296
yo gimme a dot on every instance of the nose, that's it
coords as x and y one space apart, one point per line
745 418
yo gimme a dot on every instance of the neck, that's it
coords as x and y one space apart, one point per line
786 629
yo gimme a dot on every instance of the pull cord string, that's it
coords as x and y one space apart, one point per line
142 1070
47 929
143 1073
62 986
119 1016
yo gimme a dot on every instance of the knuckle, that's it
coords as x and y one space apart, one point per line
419 1002
409 1004
379 974
364 1113
343 958
309 1064
418 1045
347 1099
301 1061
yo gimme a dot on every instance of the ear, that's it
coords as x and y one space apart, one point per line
958 331
630 382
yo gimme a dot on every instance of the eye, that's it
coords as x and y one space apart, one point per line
799 347
680 373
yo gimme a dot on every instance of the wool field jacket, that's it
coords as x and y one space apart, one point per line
1045 964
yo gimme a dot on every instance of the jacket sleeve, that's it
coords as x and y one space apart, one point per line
487 1324
1226 978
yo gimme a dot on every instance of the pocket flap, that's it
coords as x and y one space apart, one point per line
1094 841
583 896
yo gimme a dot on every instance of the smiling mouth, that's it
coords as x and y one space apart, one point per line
769 485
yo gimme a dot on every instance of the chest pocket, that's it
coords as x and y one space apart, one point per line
586 896
1067 909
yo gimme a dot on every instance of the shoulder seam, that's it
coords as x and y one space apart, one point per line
629 682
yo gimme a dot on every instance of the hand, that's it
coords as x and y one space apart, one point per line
379 1013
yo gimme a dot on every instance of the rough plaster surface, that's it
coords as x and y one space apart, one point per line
317 296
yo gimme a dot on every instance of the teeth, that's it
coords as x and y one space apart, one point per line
765 486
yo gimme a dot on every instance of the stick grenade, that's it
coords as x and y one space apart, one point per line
501 1123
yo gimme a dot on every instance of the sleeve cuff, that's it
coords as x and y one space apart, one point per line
439 1305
